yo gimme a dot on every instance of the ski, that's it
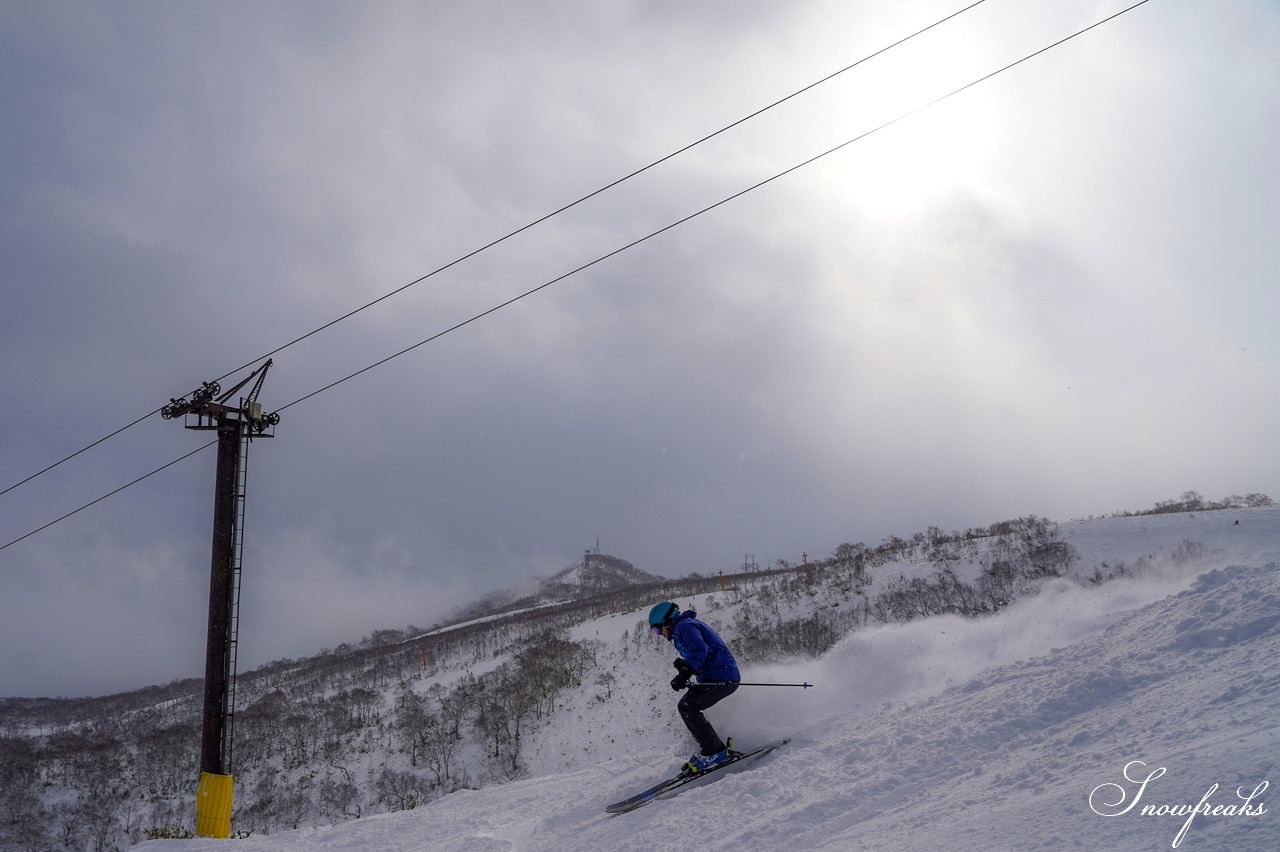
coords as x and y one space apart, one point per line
670 786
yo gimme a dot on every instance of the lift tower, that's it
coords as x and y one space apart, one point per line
236 427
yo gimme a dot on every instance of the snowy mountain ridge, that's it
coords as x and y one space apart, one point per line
1029 729
593 574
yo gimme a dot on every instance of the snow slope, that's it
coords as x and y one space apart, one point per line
1028 730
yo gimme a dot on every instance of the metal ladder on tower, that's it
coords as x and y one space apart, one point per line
233 639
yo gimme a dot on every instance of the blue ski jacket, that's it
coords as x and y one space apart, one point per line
703 648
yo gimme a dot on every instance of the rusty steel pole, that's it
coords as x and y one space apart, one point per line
217 666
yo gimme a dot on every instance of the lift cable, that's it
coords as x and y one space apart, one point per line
522 229
815 158
631 244
109 494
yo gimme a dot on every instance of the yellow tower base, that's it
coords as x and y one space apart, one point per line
213 805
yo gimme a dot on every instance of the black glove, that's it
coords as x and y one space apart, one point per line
685 670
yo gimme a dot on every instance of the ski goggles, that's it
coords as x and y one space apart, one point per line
656 628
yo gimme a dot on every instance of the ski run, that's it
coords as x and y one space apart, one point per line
1139 714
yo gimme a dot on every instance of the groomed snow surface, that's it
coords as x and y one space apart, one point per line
1033 729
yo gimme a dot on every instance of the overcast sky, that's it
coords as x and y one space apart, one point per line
1052 294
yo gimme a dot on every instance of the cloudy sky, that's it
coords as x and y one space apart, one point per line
1054 293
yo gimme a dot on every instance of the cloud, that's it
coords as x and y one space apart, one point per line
100 616
306 591
1035 298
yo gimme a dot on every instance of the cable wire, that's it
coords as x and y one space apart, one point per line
629 245
815 158
524 228
109 494
78 452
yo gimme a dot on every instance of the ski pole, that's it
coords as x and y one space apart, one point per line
726 683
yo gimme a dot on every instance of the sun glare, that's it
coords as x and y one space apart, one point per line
911 163
909 158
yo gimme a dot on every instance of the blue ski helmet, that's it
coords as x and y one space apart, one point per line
663 613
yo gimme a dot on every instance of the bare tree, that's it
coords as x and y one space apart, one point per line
400 791
339 797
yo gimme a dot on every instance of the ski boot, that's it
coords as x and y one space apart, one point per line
702 762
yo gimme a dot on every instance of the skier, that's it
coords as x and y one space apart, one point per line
702 653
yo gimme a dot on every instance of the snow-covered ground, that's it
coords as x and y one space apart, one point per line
1032 729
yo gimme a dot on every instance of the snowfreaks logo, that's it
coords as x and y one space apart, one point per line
1113 800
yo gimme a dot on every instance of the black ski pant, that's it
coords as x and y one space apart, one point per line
697 699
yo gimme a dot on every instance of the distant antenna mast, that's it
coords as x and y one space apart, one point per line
236 428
